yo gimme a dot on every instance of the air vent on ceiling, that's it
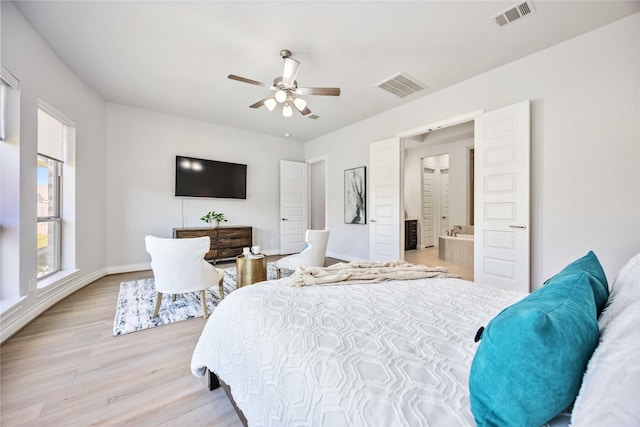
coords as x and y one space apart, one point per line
514 13
313 116
401 85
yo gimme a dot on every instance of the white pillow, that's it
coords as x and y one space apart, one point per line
624 291
611 385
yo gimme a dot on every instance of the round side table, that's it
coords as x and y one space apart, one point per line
251 269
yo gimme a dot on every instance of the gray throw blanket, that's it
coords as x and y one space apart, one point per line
365 272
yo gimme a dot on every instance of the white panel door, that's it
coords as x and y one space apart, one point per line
294 206
427 208
501 249
384 200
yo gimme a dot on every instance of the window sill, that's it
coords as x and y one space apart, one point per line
7 304
57 278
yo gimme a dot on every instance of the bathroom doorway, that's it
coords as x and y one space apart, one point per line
437 190
501 144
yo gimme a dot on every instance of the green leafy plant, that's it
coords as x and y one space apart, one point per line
213 216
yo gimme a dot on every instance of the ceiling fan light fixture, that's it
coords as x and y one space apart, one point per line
270 104
286 89
287 111
290 71
300 103
281 95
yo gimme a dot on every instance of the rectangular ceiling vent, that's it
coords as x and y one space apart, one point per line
401 85
313 116
514 13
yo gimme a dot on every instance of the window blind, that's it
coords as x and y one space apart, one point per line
51 136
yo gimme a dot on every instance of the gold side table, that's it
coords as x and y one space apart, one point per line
251 270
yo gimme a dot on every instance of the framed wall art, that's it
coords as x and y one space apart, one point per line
355 198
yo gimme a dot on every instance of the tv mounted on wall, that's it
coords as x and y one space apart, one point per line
210 178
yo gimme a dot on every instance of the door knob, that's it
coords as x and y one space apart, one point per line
284 219
520 226
372 220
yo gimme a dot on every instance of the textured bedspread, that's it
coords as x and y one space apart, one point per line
379 354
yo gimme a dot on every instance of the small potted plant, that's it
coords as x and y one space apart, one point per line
213 218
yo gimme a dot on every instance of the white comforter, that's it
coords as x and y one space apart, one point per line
380 354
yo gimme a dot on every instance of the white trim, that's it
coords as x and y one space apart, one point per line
9 79
50 109
318 159
20 315
117 269
56 279
451 121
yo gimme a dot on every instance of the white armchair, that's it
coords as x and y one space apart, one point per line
179 267
311 256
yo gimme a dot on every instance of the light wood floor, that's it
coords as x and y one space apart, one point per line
429 256
67 369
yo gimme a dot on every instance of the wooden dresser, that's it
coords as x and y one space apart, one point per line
226 241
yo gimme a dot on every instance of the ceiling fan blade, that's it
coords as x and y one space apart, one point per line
305 111
246 80
258 104
326 91
290 71
269 102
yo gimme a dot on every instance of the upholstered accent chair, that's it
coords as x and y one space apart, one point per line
312 255
179 267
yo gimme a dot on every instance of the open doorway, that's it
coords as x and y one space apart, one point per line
501 237
437 192
317 193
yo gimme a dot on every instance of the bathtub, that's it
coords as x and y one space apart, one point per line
458 249
460 236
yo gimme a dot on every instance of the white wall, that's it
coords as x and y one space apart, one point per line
585 150
141 150
43 75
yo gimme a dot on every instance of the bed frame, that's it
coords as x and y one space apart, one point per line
213 382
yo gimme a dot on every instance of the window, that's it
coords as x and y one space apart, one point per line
52 135
49 219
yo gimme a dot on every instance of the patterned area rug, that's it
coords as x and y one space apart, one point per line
137 300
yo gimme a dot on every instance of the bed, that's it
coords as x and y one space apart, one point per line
386 353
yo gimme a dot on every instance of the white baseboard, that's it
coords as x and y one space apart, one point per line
31 306
117 269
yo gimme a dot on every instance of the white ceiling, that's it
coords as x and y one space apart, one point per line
175 56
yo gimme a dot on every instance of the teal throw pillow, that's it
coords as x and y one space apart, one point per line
532 356
597 279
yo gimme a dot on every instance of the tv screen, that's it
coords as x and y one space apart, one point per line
210 178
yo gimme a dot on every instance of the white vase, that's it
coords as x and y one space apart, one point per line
214 224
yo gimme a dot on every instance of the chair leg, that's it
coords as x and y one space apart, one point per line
174 297
221 286
158 304
203 298
278 273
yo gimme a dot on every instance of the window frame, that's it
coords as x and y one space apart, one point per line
56 218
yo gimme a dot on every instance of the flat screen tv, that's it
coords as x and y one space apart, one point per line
210 178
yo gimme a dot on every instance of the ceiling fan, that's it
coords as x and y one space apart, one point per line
287 90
